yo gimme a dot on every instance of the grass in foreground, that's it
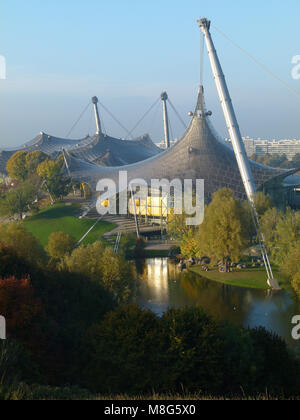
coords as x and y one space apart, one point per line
47 393
63 218
255 278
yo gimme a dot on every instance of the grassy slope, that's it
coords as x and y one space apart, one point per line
252 278
62 218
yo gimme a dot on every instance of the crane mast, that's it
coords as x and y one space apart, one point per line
237 142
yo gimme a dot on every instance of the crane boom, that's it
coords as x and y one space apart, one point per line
237 142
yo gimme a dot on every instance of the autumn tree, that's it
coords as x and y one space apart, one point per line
60 244
25 245
263 203
33 160
16 166
48 169
282 232
223 236
23 163
50 172
103 266
18 303
177 227
296 283
190 245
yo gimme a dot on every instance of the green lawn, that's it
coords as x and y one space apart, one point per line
63 218
255 278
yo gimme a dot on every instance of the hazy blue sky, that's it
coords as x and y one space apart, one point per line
61 52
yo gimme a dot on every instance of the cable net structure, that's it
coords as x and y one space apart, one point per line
100 148
199 154
50 145
109 151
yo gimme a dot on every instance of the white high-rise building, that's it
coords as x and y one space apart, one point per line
261 147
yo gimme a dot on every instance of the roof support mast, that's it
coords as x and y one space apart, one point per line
98 123
237 141
164 98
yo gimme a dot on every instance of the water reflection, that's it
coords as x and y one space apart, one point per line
162 286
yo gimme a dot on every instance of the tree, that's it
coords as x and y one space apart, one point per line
18 303
190 245
274 160
103 266
286 236
23 163
33 160
125 353
17 166
177 227
60 244
48 169
269 353
296 283
59 186
18 200
223 236
268 225
263 203
11 264
291 264
50 172
24 243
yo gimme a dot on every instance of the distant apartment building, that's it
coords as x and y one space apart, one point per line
262 147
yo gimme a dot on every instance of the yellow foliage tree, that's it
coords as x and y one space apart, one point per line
223 236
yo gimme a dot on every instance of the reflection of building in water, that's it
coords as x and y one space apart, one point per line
156 277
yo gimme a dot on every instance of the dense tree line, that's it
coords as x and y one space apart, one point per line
278 161
282 233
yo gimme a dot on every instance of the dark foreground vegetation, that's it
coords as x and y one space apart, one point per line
69 332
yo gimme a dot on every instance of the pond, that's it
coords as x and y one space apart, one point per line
163 286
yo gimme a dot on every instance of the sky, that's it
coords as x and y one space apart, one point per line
60 53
